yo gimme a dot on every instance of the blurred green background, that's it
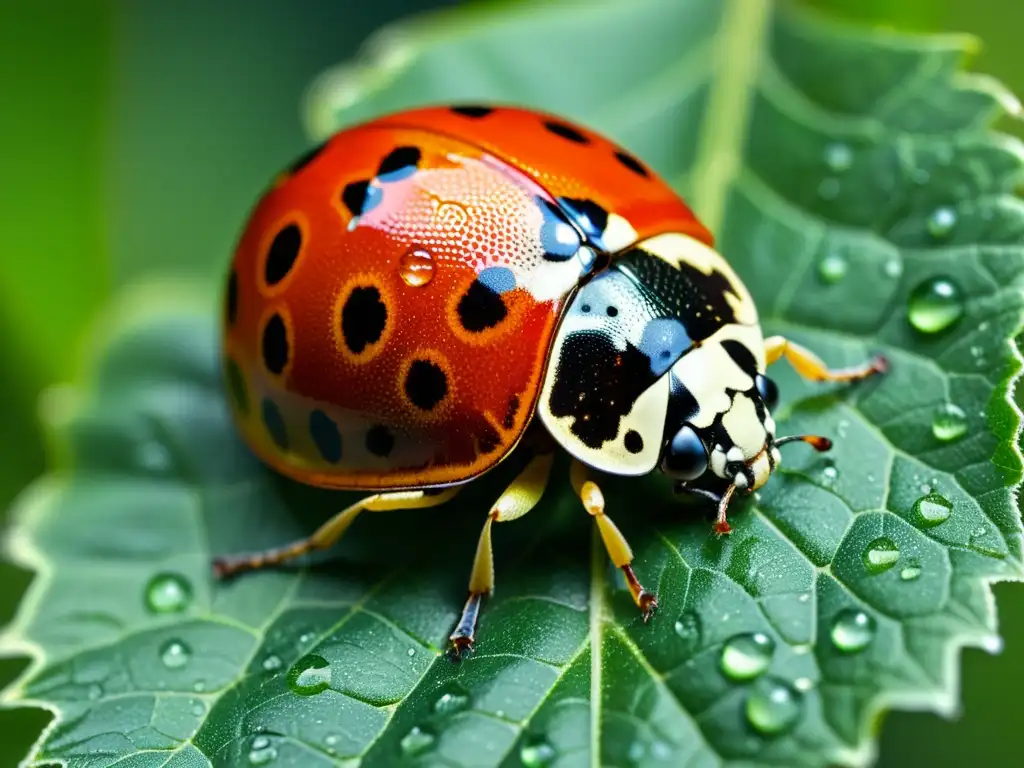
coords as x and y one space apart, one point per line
133 139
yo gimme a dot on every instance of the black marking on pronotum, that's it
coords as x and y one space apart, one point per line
741 356
480 308
397 159
597 385
326 437
632 163
633 441
363 318
275 344
566 132
682 406
283 251
380 441
697 299
354 196
425 384
469 110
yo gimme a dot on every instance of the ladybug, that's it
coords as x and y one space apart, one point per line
422 293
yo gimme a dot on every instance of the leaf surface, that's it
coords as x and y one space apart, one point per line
853 182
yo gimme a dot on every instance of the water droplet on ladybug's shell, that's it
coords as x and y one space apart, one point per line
416 268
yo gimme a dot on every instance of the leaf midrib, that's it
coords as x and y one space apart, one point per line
737 50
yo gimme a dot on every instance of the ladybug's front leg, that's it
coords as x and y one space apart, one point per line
518 499
614 542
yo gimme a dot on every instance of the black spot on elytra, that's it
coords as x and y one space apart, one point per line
510 412
326 436
306 158
632 163
480 308
284 250
488 439
426 384
588 216
397 159
696 299
611 311
231 300
472 111
354 196
236 386
275 344
566 132
633 441
363 318
741 356
380 441
274 423
597 385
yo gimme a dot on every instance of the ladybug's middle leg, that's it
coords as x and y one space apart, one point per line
810 366
518 499
614 542
328 533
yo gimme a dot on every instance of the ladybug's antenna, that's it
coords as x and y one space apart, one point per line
817 442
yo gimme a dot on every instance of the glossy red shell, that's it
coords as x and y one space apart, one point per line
393 297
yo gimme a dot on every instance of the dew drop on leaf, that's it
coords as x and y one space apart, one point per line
272 662
852 630
935 305
416 742
893 267
687 627
262 752
198 708
746 656
949 423
832 268
310 675
95 692
416 268
451 701
838 156
537 754
830 472
910 572
175 654
168 593
941 222
881 555
773 707
932 509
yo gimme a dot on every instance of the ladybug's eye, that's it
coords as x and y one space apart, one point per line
767 390
685 457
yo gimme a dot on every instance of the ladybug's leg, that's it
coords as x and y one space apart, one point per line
518 499
328 533
810 366
614 542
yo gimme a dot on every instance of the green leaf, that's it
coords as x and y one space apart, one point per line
842 172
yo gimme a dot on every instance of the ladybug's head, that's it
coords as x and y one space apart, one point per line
737 442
